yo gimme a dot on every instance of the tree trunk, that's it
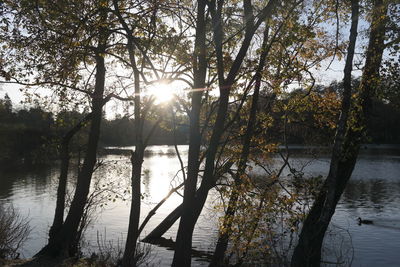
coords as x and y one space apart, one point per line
129 259
167 223
62 184
163 227
347 141
153 211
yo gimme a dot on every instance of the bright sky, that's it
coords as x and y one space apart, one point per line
164 92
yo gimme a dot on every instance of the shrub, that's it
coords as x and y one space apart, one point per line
14 231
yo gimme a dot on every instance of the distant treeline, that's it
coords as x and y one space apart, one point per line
25 135
33 135
121 132
312 120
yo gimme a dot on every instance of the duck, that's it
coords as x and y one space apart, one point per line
361 221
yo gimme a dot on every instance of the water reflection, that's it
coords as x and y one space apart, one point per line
29 179
372 193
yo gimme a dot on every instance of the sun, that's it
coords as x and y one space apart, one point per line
162 92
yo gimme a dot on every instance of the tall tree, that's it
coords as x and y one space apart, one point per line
132 45
64 241
53 45
193 201
199 71
144 33
350 135
295 49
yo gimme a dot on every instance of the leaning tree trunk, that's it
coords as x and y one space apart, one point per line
347 141
64 242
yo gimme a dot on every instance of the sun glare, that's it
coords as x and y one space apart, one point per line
162 92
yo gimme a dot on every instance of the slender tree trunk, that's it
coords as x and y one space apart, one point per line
167 223
347 141
62 182
129 258
154 210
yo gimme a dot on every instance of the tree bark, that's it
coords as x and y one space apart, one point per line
348 139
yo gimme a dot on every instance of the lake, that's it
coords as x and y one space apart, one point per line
372 193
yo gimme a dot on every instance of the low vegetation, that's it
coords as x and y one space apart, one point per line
14 231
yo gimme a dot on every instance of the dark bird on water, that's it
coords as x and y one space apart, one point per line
361 221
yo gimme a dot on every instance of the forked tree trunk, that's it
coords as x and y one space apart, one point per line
62 182
347 141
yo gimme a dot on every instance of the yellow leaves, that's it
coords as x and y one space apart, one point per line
75 44
325 108
320 33
103 3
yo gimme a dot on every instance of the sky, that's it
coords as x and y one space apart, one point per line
323 76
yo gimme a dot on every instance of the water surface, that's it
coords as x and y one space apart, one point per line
372 193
